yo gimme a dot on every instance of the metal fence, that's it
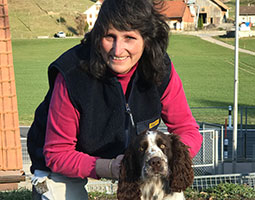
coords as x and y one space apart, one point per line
200 182
204 182
205 165
25 156
218 114
245 142
205 162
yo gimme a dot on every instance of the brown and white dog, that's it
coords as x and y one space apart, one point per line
156 166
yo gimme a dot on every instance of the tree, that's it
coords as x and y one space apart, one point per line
200 22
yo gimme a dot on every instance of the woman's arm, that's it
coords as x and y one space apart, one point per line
61 137
177 115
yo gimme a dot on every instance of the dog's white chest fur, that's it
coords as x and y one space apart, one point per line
152 190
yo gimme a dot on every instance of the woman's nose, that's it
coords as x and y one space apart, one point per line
118 47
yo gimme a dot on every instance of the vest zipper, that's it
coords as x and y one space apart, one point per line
128 110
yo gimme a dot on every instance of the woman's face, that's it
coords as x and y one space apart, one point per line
121 50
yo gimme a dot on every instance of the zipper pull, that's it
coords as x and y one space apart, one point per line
128 110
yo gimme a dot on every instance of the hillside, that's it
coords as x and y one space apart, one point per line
232 5
33 18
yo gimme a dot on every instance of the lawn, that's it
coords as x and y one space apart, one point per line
244 43
207 72
31 59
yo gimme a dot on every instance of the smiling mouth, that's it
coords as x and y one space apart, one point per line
119 58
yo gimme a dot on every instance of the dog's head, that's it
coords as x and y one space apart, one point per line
154 153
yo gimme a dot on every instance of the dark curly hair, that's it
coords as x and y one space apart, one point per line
126 15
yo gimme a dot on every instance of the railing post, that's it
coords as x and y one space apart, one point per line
216 147
222 149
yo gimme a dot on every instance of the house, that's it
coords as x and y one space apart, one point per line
211 12
178 15
92 13
247 14
184 14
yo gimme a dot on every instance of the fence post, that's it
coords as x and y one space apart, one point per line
229 117
241 134
222 149
253 157
245 136
216 147
225 141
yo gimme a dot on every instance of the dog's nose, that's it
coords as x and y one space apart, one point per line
155 163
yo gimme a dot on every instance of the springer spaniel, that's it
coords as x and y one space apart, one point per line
156 166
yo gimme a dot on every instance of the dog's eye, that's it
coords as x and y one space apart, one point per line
162 146
141 149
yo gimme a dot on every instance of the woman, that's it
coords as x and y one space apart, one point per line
103 92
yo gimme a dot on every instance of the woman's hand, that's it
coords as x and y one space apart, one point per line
109 168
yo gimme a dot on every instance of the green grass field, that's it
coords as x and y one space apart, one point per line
31 59
232 5
30 18
207 72
244 43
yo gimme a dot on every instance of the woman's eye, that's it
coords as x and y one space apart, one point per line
109 37
130 38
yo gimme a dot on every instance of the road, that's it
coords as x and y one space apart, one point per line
208 36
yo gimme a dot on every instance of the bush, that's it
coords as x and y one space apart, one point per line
20 194
226 191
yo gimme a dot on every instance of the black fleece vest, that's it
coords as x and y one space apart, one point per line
107 120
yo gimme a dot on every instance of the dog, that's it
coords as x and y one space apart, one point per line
156 166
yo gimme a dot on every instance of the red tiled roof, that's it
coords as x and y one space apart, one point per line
173 9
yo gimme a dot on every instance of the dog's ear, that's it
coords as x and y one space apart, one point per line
128 186
130 170
182 175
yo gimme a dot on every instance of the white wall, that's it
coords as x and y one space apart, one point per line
92 13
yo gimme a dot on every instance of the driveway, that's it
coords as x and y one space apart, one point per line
207 35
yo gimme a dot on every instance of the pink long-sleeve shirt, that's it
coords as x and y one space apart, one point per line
63 126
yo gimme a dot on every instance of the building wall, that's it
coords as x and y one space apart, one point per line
92 13
175 24
247 18
187 22
187 16
187 26
179 25
214 14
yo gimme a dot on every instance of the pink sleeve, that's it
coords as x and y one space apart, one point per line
177 115
61 137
